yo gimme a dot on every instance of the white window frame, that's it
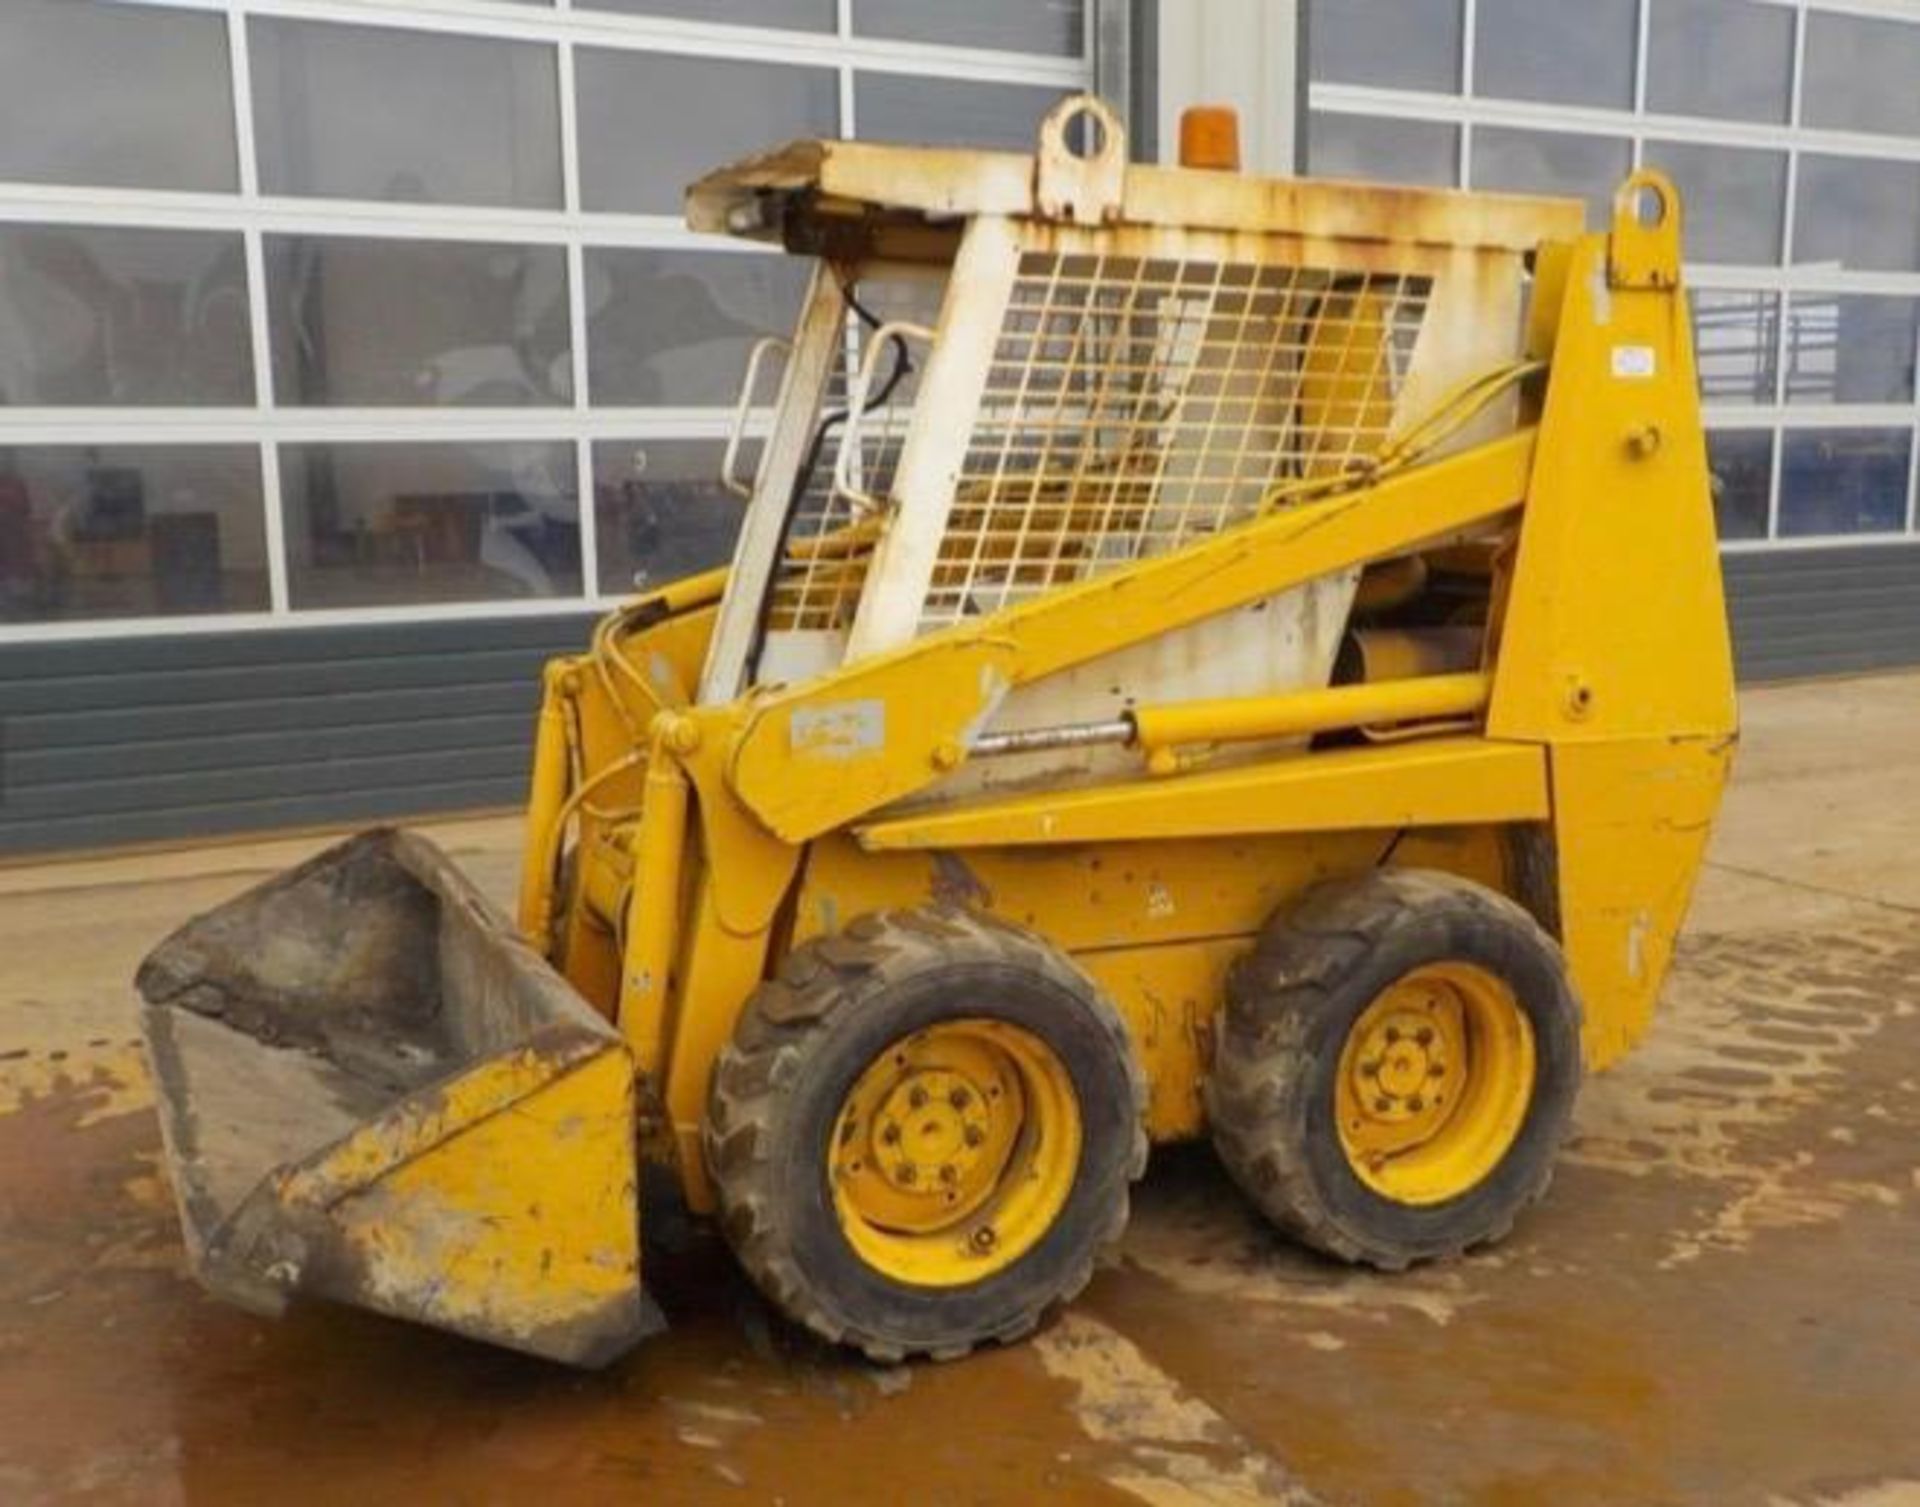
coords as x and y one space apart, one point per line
253 216
1469 109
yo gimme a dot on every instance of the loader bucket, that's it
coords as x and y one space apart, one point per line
372 1091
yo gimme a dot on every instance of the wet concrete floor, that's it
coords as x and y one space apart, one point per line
1719 1301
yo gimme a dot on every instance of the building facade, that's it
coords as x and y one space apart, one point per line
1792 128
353 353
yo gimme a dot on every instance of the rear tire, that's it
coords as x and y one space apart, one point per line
923 1133
1397 1067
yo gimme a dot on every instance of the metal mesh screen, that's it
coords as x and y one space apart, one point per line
1135 403
820 577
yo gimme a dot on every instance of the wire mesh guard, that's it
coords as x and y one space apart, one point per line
1132 404
831 540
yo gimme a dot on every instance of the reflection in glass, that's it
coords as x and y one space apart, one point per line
1729 59
351 112
661 512
1735 199
676 327
435 324
794 15
1844 481
1741 465
399 524
109 317
650 124
1382 151
1860 73
1858 213
1048 26
1735 339
1851 348
120 96
105 531
1551 162
950 112
1345 43
1567 52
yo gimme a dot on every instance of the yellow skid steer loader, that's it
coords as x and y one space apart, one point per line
1204 656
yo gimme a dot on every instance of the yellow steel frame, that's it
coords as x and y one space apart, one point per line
1605 713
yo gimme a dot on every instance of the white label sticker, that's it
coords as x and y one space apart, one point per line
1633 361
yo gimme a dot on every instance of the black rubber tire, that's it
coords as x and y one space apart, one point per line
1290 1006
803 1040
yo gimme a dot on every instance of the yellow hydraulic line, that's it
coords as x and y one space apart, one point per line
546 799
653 910
1160 729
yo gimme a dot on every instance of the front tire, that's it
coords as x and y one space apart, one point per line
923 1133
1397 1067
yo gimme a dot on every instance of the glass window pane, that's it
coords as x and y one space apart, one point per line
130 531
1568 52
1844 481
1344 43
661 512
387 525
676 327
949 112
794 15
1740 462
1551 162
1730 59
124 96
1734 199
99 316
356 112
651 124
1050 26
1857 213
1382 151
1735 339
430 324
1852 348
1860 74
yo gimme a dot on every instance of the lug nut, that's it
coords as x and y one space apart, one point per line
891 1135
949 1175
975 1135
1438 1070
1424 1036
1370 1069
1393 1035
1384 1105
1416 1104
959 1098
909 1173
918 1098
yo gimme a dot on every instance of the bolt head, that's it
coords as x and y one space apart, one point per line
1384 1105
983 1239
918 1098
909 1173
975 1135
890 1135
959 1098
949 1175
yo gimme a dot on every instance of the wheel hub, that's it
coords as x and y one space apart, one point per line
1433 1083
953 1151
931 1131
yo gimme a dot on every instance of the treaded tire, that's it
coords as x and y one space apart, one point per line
804 1039
1290 1005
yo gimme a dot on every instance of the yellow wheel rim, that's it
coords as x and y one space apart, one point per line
954 1152
1435 1079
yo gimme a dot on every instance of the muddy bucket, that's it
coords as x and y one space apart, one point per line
372 1091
